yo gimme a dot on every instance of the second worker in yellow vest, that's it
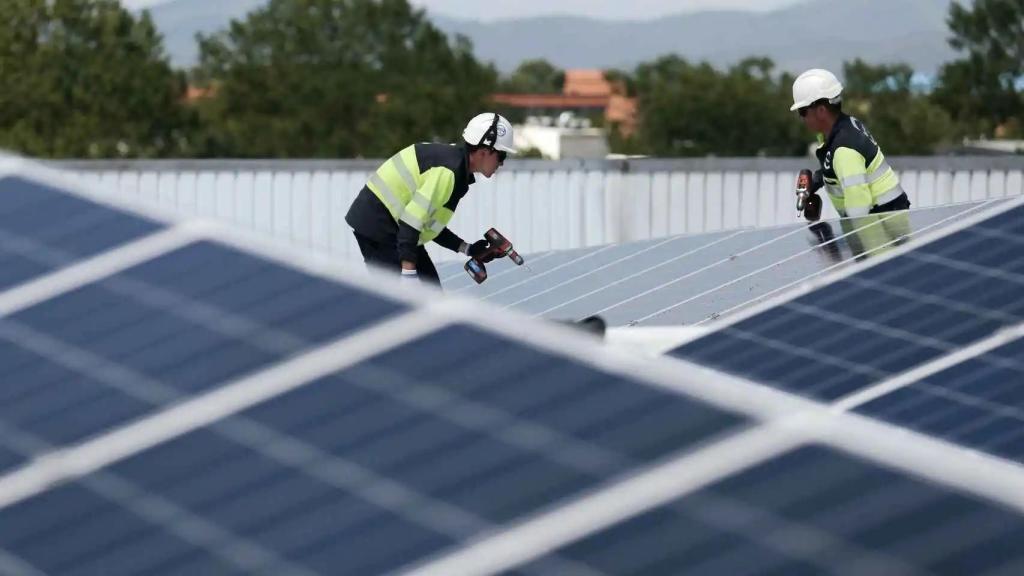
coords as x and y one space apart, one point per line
409 200
853 170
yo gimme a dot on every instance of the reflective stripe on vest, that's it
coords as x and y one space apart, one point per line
402 194
412 221
386 194
889 196
404 172
836 190
423 202
393 198
435 225
871 178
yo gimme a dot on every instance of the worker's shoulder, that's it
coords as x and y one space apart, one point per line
431 155
853 134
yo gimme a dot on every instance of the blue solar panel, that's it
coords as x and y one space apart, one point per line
181 323
883 320
42 228
9 458
366 470
812 511
685 279
977 403
425 447
55 403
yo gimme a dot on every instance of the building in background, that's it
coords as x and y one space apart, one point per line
565 125
565 136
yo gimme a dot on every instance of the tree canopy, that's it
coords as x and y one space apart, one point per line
362 78
693 110
86 78
904 120
337 78
982 90
534 77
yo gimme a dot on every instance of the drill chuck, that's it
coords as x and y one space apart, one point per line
803 189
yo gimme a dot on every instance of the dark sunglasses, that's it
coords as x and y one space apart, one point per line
501 156
803 111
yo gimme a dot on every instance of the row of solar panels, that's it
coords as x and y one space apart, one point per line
691 279
179 399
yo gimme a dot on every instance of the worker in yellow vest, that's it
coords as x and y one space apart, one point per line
853 169
409 200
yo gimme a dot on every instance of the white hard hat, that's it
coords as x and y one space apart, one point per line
490 129
813 85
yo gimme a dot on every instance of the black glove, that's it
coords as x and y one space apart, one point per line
812 208
477 250
817 181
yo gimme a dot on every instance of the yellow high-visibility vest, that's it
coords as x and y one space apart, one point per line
854 169
417 197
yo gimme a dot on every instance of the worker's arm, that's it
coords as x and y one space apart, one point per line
408 239
418 214
451 241
852 171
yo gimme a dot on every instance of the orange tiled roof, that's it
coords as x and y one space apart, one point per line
194 93
583 82
549 101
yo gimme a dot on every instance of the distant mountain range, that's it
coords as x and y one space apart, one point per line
820 33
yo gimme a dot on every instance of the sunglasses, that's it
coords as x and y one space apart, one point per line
803 111
501 156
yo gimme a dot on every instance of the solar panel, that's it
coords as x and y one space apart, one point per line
790 504
977 402
176 325
152 333
865 327
689 279
198 402
376 451
811 511
30 246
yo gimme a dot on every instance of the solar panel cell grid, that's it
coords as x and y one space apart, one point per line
813 511
109 352
31 245
9 458
977 403
683 279
322 477
886 319
419 449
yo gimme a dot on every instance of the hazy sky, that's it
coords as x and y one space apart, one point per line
612 9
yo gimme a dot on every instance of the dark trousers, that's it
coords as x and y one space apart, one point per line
385 256
900 203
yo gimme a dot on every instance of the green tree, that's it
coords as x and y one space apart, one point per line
982 90
534 77
903 120
337 78
85 78
695 110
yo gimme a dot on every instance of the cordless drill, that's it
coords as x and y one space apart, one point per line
807 201
499 247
